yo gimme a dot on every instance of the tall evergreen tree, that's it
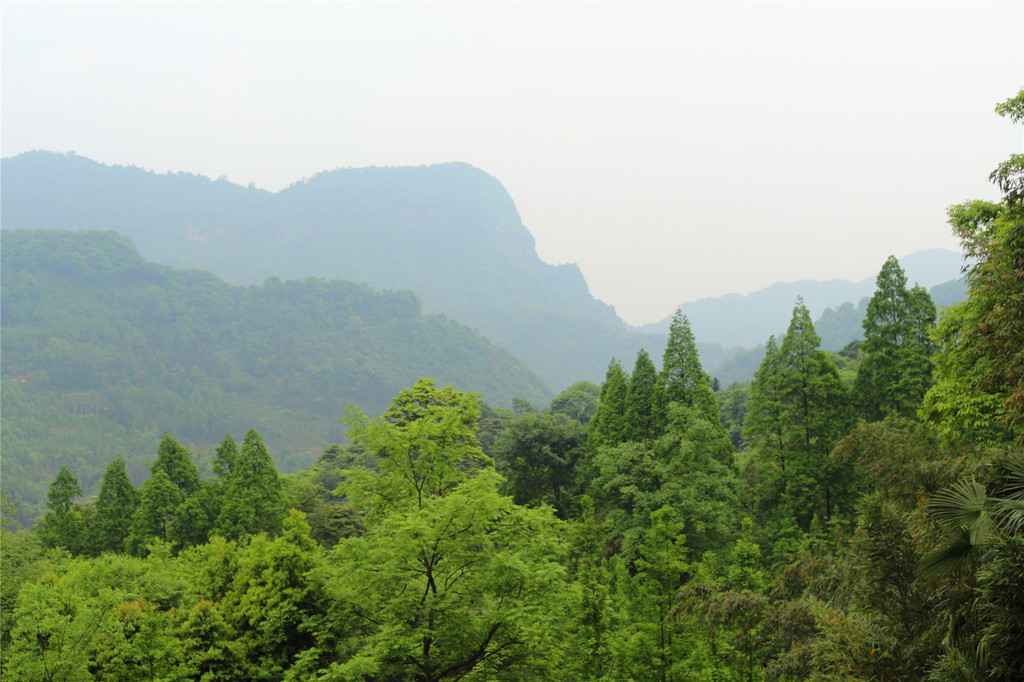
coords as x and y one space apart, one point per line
115 506
609 426
763 424
224 458
62 525
643 401
63 491
799 410
683 380
254 502
154 517
173 460
897 371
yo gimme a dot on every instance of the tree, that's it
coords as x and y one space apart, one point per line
897 371
115 507
253 502
980 365
579 401
466 585
224 458
154 517
62 525
271 605
798 411
683 380
173 460
659 647
538 456
686 469
63 492
426 444
644 401
609 427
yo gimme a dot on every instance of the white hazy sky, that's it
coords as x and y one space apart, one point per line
673 150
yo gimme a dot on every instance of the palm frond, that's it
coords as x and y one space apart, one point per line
961 504
955 555
1011 513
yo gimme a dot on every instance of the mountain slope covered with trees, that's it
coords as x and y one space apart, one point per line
450 233
102 351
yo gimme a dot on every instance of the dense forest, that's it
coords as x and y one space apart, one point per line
855 514
103 351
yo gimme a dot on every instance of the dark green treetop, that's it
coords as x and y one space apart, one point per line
643 401
897 370
174 460
253 500
609 427
683 379
63 491
115 505
224 458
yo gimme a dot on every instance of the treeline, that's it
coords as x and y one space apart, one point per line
869 525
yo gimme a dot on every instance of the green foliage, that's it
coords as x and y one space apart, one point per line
686 469
644 401
799 409
154 518
253 501
897 371
425 443
538 455
609 426
117 350
683 380
115 506
174 460
465 585
733 405
579 401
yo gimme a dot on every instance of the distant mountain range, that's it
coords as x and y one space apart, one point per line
450 233
748 320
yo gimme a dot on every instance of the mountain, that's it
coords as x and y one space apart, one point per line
102 351
748 320
836 327
449 232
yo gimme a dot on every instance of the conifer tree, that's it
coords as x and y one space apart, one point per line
173 460
897 371
63 491
683 380
254 502
763 424
609 427
799 410
62 525
224 458
154 517
115 506
643 401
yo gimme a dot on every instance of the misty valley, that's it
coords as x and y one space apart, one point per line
358 430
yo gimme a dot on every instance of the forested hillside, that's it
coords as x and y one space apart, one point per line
450 233
102 351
